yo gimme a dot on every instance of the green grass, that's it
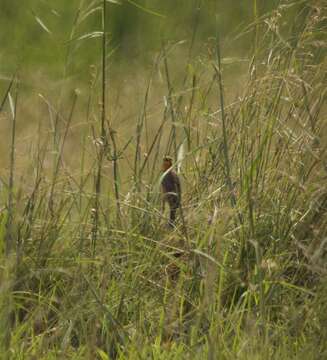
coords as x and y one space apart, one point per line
88 269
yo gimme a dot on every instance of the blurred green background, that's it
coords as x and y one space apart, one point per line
35 33
51 44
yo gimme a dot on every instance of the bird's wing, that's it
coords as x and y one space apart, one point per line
178 186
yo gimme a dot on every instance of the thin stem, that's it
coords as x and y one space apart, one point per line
103 140
171 106
223 117
9 235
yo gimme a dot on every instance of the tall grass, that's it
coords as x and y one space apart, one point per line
243 274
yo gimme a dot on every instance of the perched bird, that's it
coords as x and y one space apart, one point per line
171 189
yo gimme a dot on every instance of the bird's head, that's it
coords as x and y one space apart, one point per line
167 163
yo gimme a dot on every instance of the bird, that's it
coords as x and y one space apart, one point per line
171 189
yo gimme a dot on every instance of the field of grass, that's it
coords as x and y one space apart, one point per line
88 267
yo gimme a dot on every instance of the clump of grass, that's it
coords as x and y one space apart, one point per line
247 277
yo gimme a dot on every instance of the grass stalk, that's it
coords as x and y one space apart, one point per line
103 139
7 311
173 135
10 206
218 70
4 99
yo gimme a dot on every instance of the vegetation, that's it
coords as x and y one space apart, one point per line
88 267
